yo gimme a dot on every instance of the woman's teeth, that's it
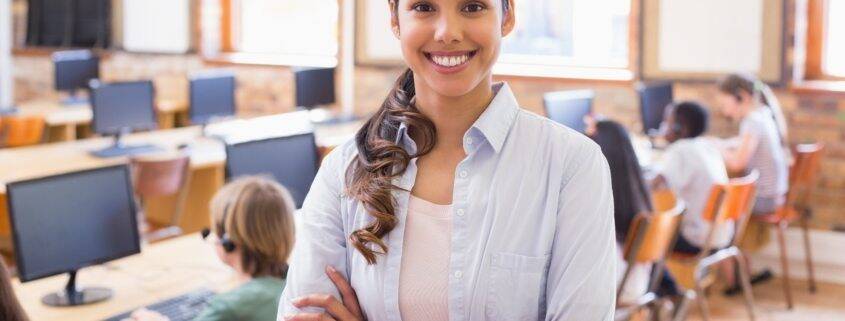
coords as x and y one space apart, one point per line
450 61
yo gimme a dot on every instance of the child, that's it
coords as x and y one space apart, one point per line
253 230
10 308
690 167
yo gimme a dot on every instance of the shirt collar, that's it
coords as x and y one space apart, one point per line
496 121
493 124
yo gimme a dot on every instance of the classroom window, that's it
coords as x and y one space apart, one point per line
296 27
575 33
834 40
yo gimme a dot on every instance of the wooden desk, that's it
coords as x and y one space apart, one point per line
208 158
62 121
162 270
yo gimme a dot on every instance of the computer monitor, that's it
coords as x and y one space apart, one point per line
290 160
314 87
569 107
212 96
654 97
63 223
74 70
120 108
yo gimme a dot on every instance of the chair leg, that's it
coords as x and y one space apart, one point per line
745 282
781 231
701 299
808 255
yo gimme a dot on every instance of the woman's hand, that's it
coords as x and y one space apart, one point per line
348 310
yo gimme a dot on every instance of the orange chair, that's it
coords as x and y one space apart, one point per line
160 176
801 183
23 130
650 239
731 202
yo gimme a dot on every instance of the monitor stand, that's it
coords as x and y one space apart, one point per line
75 99
322 116
120 149
73 296
7 111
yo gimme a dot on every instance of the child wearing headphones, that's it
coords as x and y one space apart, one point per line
253 232
690 167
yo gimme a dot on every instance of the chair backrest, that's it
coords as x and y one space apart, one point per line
731 202
802 175
663 200
23 130
650 237
159 175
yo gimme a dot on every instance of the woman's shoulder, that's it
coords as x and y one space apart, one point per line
562 140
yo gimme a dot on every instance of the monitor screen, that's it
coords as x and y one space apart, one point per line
569 107
66 222
74 69
290 160
314 87
123 106
211 96
653 101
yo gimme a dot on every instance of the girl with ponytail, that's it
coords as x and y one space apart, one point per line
452 203
763 137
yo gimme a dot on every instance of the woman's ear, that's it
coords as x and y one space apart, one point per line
509 20
394 17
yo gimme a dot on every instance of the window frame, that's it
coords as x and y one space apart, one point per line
610 74
816 32
228 54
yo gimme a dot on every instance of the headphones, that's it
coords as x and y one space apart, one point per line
225 241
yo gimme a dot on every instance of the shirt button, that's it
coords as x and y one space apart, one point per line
469 140
464 174
458 274
460 212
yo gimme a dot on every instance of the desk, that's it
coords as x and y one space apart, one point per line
163 270
208 157
62 121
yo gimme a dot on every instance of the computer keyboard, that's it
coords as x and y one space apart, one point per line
181 308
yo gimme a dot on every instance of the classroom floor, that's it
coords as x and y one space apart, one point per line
827 304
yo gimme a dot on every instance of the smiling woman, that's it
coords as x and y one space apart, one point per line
452 202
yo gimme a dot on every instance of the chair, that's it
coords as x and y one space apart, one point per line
158 176
650 238
801 183
23 130
731 202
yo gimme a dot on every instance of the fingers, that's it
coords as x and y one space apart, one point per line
347 293
328 303
309 317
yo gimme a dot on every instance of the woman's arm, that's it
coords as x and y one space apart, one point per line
582 276
320 238
737 159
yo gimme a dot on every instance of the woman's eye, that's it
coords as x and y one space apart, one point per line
423 7
473 7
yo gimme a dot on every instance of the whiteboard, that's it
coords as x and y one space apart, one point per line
159 26
696 39
375 42
701 36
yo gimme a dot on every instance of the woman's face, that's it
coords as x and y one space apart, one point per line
451 45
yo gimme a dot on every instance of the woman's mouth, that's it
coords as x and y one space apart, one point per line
450 62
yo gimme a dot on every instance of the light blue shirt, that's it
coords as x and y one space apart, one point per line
532 235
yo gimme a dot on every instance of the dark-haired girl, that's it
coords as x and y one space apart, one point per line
453 203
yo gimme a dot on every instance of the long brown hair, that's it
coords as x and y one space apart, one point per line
735 84
380 159
10 308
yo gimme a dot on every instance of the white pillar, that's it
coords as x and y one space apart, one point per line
347 58
6 100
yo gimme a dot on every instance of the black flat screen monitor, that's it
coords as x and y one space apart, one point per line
654 98
212 96
314 87
569 107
